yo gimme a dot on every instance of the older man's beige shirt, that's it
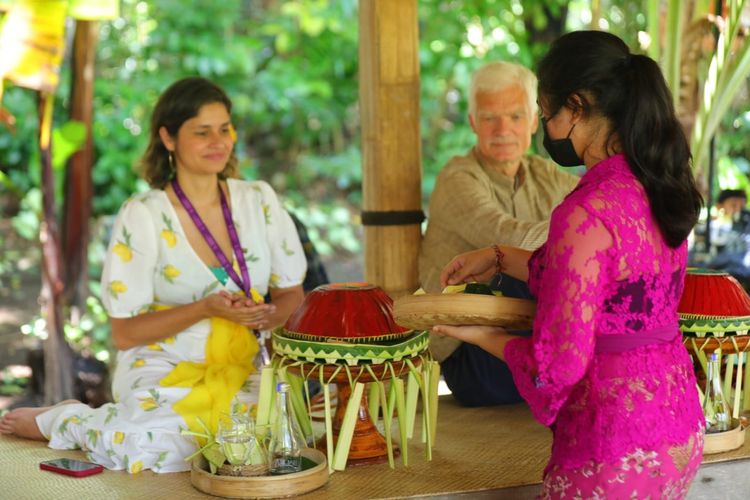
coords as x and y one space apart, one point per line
473 207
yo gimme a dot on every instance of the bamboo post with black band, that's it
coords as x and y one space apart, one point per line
391 151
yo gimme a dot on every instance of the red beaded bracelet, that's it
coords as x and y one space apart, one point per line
499 256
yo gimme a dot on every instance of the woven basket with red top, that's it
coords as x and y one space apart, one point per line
344 334
713 304
347 323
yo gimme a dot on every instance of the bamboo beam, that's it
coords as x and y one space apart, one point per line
391 151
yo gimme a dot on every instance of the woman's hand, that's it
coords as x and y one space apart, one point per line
147 328
239 309
477 265
490 338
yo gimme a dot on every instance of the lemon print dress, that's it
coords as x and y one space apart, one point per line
150 265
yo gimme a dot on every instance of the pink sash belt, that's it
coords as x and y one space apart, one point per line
626 342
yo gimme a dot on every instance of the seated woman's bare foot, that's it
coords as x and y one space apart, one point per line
22 421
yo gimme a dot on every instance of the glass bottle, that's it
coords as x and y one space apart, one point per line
715 407
285 448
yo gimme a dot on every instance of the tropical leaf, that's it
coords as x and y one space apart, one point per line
728 71
672 49
704 74
652 14
67 139
94 10
32 42
698 43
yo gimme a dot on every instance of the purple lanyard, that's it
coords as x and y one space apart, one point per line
243 283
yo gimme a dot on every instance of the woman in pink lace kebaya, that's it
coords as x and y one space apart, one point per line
605 368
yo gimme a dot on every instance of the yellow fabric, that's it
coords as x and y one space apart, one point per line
230 350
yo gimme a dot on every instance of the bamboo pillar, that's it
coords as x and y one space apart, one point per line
391 151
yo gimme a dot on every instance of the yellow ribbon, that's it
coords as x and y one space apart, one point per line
230 350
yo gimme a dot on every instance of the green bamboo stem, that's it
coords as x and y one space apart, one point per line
418 377
653 17
328 422
434 377
373 401
733 20
672 52
397 390
387 421
701 8
412 395
738 386
700 355
427 432
298 404
346 432
728 374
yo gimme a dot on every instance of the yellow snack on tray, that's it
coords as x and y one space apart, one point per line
455 288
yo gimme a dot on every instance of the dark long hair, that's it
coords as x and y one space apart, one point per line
630 91
179 103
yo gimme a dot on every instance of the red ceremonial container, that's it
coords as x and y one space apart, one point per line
715 316
344 334
351 312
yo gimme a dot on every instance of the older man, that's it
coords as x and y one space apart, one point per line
493 194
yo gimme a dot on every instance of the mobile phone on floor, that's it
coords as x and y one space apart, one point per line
70 467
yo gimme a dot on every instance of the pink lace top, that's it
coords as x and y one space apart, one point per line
605 269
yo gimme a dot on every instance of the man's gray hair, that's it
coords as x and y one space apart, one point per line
496 76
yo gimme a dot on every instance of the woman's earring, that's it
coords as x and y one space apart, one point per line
170 155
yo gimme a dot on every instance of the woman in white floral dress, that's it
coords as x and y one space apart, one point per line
180 300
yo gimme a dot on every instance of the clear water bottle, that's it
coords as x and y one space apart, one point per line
285 448
715 407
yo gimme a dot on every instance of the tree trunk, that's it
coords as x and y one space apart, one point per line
78 185
58 356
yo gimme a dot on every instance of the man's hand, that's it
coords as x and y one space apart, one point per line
477 265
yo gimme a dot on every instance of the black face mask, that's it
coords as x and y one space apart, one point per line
561 151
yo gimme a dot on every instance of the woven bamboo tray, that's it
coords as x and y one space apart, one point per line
261 486
725 441
422 312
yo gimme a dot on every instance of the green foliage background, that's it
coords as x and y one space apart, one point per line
291 68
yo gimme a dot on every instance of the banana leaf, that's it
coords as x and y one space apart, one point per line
728 71
94 10
32 42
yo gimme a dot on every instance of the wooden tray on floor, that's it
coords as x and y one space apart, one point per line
261 486
422 312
